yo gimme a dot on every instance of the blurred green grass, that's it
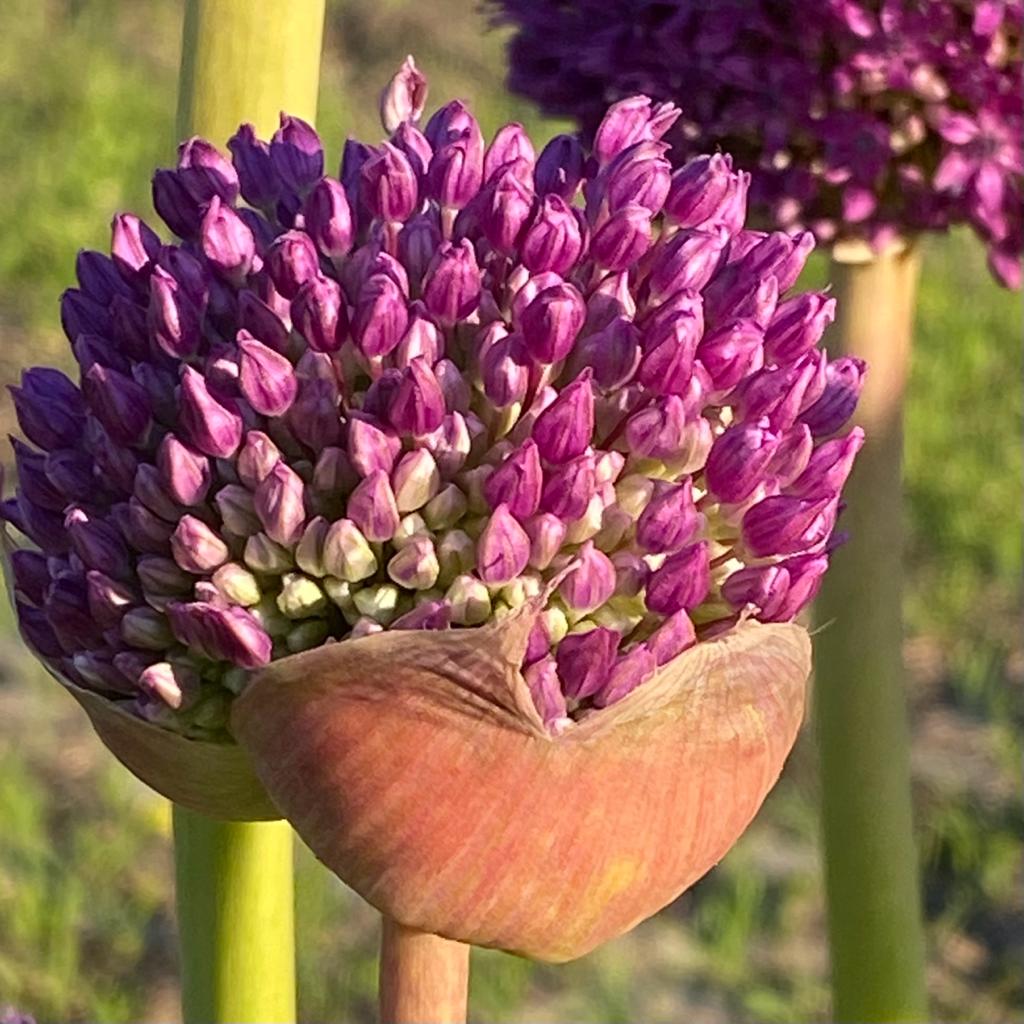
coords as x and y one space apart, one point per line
86 928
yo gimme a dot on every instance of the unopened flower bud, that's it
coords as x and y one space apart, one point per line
300 597
564 429
470 601
265 556
279 503
560 167
346 553
503 548
206 423
451 288
379 602
415 566
267 378
296 154
584 660
404 96
671 638
681 582
237 584
372 507
844 379
626 674
630 121
553 241
415 480
551 322
623 238
256 459
146 628
591 582
237 511
446 508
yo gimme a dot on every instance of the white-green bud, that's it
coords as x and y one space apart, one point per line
409 528
237 512
456 554
309 552
518 591
607 467
365 627
472 483
269 616
237 584
588 524
633 492
415 480
555 622
265 556
306 635
415 566
616 523
300 597
470 601
624 616
379 602
347 553
446 508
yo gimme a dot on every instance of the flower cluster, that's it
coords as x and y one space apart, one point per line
419 395
861 118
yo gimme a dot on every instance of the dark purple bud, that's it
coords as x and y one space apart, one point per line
731 353
628 672
196 548
108 599
377 399
227 242
504 210
33 481
545 688
162 576
681 582
256 317
417 149
251 156
785 525
67 610
314 418
552 321
516 483
503 549
844 379
256 458
731 297
82 314
553 241
133 247
798 325
99 277
436 614
292 261
511 144
31 574
184 472
622 239
267 379
319 314
564 429
631 121
50 409
584 660
829 466
668 361
569 487
450 122
280 503
739 459
418 240
115 464
675 635
451 288
206 173
547 534
388 184
98 544
559 167
175 205
670 520
150 491
334 475
456 171
205 423
237 510
229 634
417 406
90 349
129 328
372 507
296 154
43 526
381 317
688 260
505 369
403 97
706 192
173 319
121 405
328 218
613 353
143 529
36 631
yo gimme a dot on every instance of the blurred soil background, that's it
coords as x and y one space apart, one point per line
87 97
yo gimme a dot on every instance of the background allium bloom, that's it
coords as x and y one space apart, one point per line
456 379
858 118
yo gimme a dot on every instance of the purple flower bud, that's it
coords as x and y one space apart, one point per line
118 403
628 672
552 321
108 598
33 481
545 688
504 209
418 240
670 520
623 238
510 144
559 167
176 685
706 192
584 660
681 582
671 638
553 241
631 121
205 423
388 184
296 154
98 544
262 323
72 473
42 526
435 614
150 491
251 156
451 289
173 320
417 406
229 634
456 169
569 487
415 565
829 466
404 96
133 247
547 534
266 378
732 352
422 339
174 205
115 464
785 525
564 429
31 574
206 173
778 592
844 379
370 446
328 218
381 317
99 277
591 583
162 576
372 507
687 260
280 505
50 410
237 510
196 548
505 369
67 610
319 314
798 325
292 261
227 242
791 456
185 473
415 480
37 632
668 362
739 459
516 483
612 353
503 550
778 255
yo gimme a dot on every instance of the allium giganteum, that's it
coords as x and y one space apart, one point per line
859 118
458 377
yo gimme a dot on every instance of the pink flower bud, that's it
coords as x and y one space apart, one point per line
503 548
584 660
372 507
564 429
279 503
553 241
681 582
516 483
591 583
196 548
266 378
207 424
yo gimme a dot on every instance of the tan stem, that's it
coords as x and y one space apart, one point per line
860 701
424 979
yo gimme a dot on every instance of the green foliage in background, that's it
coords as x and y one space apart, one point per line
86 934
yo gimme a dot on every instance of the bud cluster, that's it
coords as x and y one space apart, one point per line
860 118
455 379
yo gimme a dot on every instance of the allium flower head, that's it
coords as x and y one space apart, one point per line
858 118
458 379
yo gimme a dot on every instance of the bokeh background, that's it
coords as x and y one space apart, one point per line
87 98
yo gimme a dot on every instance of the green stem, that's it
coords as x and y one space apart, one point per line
235 919
870 857
242 60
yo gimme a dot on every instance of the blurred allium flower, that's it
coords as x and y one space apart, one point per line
861 118
9 1015
417 396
